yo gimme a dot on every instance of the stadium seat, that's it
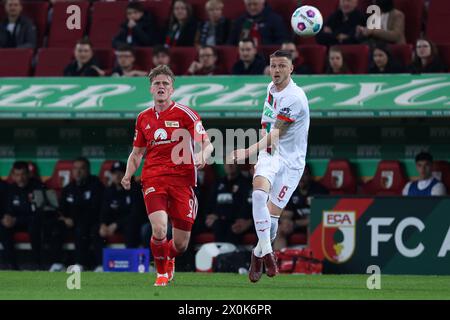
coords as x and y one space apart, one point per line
205 237
198 7
326 7
228 55
438 17
160 10
105 58
284 8
38 12
267 50
15 62
358 55
298 239
181 58
106 20
339 177
21 237
402 53
115 239
60 36
314 56
105 172
444 53
388 180
52 61
233 9
249 239
441 170
144 58
413 10
61 175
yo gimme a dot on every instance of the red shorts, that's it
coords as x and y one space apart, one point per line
179 202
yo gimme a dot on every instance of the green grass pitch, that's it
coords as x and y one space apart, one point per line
201 286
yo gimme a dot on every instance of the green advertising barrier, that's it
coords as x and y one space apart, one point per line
400 235
362 96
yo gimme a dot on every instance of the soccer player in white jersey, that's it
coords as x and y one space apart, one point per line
281 158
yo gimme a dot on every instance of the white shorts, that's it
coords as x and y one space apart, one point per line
283 180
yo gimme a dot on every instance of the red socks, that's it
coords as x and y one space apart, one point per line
172 252
160 250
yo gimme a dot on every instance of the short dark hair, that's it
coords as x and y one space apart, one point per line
85 40
281 53
214 50
85 161
160 49
424 156
21 165
125 47
385 5
135 5
249 40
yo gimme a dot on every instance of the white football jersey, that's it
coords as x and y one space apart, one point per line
290 104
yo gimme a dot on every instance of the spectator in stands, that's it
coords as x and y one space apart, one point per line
383 61
341 26
84 64
392 25
206 64
230 213
125 63
295 217
182 26
80 206
336 62
426 185
216 29
426 58
116 211
21 214
259 23
16 30
160 56
139 28
249 60
299 66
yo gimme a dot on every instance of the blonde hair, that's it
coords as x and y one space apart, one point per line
161 70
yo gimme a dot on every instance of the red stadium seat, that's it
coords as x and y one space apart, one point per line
205 237
60 36
339 178
438 17
358 55
115 239
413 10
38 12
389 179
106 20
52 61
227 56
181 58
105 58
105 172
267 50
284 8
314 56
444 53
402 53
441 170
143 58
160 10
198 6
15 62
233 9
61 175
21 237
249 239
298 239
326 7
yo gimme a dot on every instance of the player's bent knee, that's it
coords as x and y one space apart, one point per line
159 231
181 246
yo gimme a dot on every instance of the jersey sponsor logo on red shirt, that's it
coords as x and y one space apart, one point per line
160 134
172 124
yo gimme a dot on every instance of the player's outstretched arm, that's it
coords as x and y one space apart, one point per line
133 163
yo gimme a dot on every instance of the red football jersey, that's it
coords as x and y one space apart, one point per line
169 138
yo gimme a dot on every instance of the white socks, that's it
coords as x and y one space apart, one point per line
261 217
273 227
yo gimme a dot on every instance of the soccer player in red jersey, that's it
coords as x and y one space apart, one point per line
168 133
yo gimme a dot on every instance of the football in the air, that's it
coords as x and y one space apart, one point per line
306 21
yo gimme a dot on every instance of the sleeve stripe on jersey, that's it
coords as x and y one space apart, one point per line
189 112
281 117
